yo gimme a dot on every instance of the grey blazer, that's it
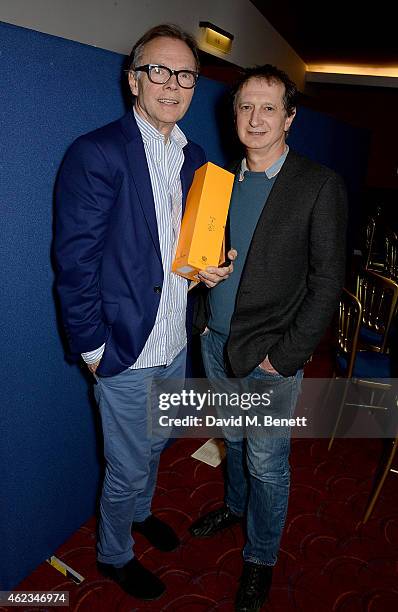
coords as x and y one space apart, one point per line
294 271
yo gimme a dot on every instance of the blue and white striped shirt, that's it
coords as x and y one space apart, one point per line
165 160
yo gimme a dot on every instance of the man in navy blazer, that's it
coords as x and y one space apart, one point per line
120 197
288 223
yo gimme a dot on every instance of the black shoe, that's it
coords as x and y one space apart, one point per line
158 533
134 579
214 521
255 584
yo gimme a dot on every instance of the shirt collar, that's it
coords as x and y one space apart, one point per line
269 172
148 132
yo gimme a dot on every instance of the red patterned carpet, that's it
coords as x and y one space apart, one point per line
324 564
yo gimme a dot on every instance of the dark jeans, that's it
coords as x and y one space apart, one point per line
258 471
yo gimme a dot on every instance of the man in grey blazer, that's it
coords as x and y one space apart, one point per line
288 224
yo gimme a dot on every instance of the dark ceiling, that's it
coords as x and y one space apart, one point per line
336 32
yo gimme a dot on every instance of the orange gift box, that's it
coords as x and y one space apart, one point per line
200 242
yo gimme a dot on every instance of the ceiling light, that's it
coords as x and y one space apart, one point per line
379 71
216 37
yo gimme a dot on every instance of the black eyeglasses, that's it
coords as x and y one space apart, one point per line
161 74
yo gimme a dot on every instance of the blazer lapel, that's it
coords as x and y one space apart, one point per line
280 193
283 181
140 174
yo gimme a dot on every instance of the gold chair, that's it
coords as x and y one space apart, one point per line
391 256
378 297
349 323
373 260
347 334
378 485
369 237
353 365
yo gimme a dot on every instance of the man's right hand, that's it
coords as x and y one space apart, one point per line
93 367
211 276
267 366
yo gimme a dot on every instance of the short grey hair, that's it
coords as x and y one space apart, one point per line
167 30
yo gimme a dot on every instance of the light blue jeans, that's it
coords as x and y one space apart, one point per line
257 471
132 454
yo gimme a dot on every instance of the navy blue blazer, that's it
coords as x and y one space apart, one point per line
106 246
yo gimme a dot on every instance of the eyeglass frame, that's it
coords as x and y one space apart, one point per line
147 68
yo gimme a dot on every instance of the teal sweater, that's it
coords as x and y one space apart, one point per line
248 200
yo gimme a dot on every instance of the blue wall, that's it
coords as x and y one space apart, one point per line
52 90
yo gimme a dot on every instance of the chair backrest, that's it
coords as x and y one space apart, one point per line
391 256
349 322
369 236
378 297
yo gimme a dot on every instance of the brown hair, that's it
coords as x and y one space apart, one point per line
272 75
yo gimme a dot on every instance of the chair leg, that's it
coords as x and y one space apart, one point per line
372 502
346 384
